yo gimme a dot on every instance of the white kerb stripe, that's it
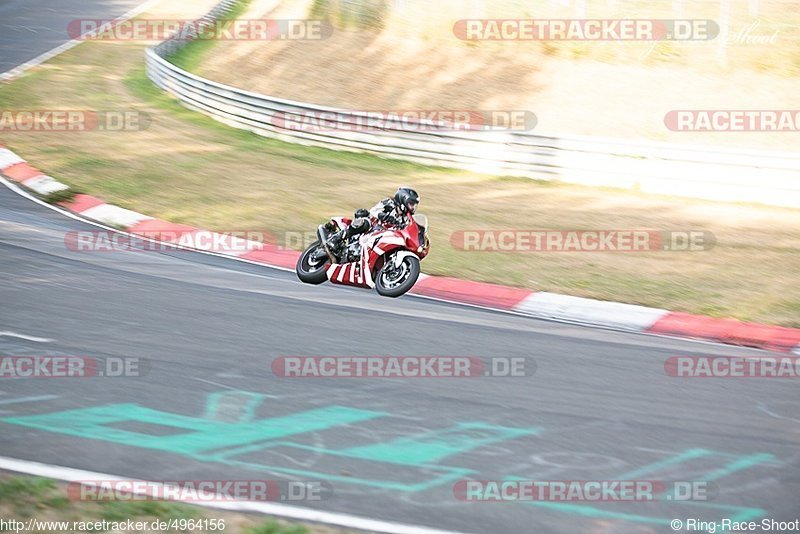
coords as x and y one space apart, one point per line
589 311
114 215
44 184
8 158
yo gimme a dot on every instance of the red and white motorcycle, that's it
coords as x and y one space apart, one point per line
386 258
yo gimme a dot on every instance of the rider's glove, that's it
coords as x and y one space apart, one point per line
385 217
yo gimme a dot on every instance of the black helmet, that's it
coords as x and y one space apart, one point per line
406 199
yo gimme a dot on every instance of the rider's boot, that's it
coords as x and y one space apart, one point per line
335 243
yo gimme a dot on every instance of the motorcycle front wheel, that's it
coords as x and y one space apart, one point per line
312 264
393 281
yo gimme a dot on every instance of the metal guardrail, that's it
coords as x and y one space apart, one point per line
771 178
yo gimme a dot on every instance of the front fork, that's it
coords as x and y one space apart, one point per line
398 257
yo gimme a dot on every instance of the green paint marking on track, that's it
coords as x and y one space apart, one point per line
420 452
213 438
685 456
597 513
745 462
736 513
434 476
436 445
228 432
747 514
200 435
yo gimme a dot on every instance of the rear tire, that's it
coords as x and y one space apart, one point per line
392 282
312 272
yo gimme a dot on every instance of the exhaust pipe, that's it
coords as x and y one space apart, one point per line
323 235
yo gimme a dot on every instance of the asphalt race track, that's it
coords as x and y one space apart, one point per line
599 405
595 404
31 27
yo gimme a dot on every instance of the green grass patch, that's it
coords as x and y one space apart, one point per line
23 497
65 195
273 527
122 510
26 495
362 15
18 489
190 55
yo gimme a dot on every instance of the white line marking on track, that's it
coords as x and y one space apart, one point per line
772 414
221 385
69 474
60 49
26 337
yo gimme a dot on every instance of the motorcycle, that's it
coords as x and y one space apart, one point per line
386 258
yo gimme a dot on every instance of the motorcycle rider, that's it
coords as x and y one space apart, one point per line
391 211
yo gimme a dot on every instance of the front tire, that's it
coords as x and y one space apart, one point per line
309 269
393 282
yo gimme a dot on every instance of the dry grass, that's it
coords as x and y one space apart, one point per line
190 169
